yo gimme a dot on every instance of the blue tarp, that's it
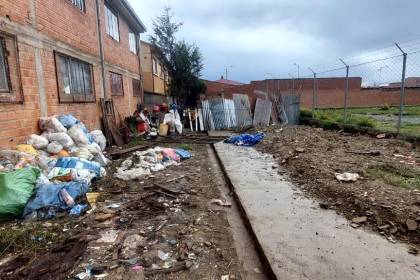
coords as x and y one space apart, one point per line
246 139
78 163
48 196
183 154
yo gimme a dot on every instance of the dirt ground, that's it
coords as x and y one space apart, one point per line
164 226
387 193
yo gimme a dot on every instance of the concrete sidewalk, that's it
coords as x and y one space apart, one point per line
300 240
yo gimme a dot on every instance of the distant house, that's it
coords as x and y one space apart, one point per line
155 77
217 87
411 82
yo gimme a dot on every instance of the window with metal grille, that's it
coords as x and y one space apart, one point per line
136 88
112 28
80 4
10 82
75 79
116 81
132 41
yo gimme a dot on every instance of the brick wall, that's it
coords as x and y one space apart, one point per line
45 26
330 92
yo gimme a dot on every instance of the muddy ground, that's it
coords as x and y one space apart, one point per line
387 194
164 226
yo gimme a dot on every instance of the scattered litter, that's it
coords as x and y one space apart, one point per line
246 139
221 203
381 136
143 163
78 210
163 256
347 177
109 236
300 150
411 225
359 220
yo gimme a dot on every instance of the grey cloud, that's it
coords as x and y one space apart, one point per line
341 28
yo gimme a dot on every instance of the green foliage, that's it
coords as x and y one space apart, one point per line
185 146
385 107
183 61
402 176
305 113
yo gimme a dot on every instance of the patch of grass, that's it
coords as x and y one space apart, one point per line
185 146
16 240
403 176
305 113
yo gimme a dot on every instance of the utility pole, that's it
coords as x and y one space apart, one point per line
346 90
314 93
402 94
293 83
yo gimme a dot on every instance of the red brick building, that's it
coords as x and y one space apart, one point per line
62 56
330 92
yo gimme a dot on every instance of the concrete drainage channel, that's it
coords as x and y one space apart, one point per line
295 238
254 262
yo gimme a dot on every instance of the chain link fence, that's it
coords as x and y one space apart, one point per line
379 89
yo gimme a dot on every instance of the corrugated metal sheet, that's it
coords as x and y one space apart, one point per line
291 107
262 113
242 110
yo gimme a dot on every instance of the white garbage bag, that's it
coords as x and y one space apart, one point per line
63 138
38 142
54 147
79 137
99 138
51 124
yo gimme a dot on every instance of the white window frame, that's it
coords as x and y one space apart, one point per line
154 66
132 41
112 23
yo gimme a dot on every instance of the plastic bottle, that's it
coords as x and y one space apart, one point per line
67 198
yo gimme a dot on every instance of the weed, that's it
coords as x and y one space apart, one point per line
185 146
403 176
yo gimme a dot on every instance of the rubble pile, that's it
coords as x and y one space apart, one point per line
52 171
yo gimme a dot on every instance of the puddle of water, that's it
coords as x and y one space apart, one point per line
301 240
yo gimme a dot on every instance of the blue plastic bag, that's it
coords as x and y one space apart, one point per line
78 210
183 154
78 163
246 139
48 196
68 120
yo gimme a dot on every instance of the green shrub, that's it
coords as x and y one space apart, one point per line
385 107
305 113
366 122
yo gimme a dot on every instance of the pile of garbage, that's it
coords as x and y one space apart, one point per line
52 171
143 163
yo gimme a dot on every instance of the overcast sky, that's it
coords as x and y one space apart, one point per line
269 36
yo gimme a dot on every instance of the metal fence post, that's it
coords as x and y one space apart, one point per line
402 94
313 92
346 89
293 83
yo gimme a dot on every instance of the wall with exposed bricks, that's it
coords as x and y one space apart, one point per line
330 92
45 26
